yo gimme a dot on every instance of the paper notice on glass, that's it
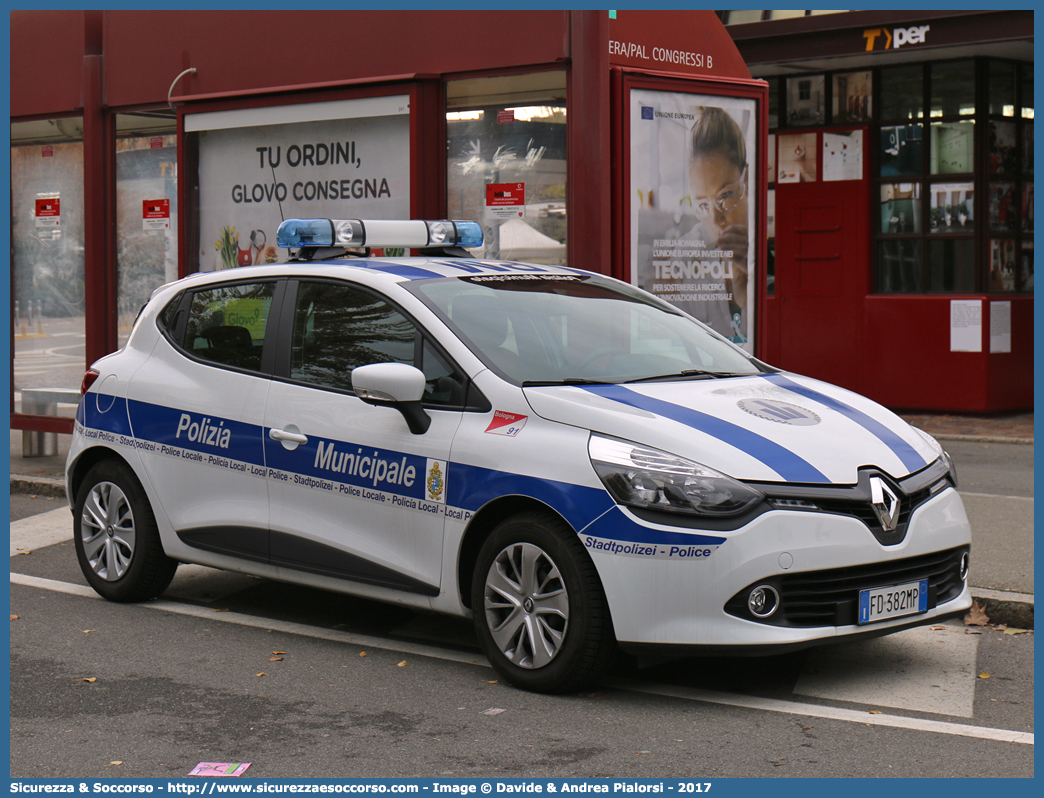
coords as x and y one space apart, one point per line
843 155
965 325
1000 326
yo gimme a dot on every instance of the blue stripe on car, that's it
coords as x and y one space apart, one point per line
781 460
903 450
615 525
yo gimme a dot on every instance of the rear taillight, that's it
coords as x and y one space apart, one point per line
88 380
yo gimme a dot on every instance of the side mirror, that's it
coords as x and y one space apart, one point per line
397 385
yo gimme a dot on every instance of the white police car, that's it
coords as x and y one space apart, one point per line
563 457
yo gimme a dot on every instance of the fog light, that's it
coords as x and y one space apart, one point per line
965 560
763 601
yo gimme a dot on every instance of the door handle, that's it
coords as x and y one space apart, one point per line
287 436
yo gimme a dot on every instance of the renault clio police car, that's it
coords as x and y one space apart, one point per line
568 460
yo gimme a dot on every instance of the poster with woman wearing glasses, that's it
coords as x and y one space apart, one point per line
693 218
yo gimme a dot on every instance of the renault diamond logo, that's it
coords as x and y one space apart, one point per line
885 504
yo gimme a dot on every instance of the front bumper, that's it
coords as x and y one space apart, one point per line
678 595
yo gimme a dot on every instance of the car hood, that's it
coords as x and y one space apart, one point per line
768 427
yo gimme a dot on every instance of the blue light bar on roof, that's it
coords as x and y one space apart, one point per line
353 233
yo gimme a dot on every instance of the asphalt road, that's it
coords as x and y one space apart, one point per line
305 683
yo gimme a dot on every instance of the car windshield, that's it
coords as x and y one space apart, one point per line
560 329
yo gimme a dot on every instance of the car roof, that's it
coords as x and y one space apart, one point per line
386 270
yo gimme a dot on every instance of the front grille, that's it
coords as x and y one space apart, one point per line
830 597
864 511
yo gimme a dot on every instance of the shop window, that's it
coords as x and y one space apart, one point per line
146 212
1002 208
951 265
1003 151
47 257
773 104
900 208
901 150
853 97
1027 91
952 207
899 269
1003 265
1026 271
806 100
510 132
902 93
342 159
953 89
952 147
1002 89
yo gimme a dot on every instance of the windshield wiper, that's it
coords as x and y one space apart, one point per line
689 374
566 381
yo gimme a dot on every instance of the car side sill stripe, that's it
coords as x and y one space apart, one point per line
903 450
783 461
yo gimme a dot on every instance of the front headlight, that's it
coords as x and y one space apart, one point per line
640 476
941 452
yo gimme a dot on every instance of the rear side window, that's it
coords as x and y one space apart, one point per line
226 324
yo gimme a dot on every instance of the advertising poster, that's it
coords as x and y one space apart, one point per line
693 214
260 166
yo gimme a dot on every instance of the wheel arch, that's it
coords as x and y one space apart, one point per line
85 461
482 524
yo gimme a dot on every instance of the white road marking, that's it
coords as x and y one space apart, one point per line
927 669
38 531
689 694
832 713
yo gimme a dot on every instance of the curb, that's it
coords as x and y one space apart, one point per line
1013 609
38 486
984 439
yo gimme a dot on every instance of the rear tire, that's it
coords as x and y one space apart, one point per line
540 611
117 541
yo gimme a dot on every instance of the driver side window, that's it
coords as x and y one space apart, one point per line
338 327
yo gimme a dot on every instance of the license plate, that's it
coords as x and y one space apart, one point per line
882 603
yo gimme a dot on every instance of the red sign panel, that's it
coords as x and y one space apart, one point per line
505 195
506 115
47 151
155 209
46 208
156 143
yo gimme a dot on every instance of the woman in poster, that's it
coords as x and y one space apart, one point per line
718 177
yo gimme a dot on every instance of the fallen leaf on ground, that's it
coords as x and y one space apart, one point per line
275 659
876 712
402 664
1013 631
89 679
14 617
116 762
984 675
362 653
261 674
277 653
976 615
1001 627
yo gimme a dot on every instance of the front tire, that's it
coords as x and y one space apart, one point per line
540 611
117 541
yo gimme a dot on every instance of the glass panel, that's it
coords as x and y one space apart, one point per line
1026 275
1027 207
1002 88
952 207
806 97
785 14
1003 149
951 265
853 97
770 269
47 259
953 147
902 150
338 327
1002 265
773 109
510 130
1027 149
1027 91
900 208
899 267
953 89
740 17
902 93
146 213
227 324
1002 208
